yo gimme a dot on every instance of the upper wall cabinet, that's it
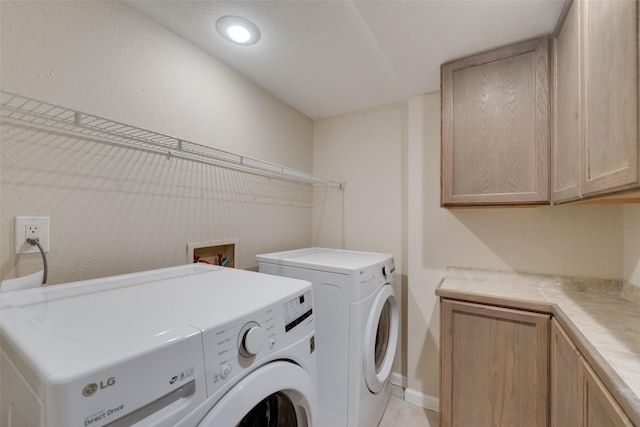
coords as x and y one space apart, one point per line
595 70
495 127
565 146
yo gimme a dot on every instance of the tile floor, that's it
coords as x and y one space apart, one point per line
400 413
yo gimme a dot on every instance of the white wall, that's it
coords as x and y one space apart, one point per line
115 209
364 149
367 148
108 59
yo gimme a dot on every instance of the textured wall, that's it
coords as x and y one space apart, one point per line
364 149
108 59
116 209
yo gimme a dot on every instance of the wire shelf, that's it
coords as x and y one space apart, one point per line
19 109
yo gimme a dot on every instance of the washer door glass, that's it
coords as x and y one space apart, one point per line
276 410
381 339
279 394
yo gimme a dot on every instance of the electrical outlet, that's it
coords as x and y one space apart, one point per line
31 227
32 232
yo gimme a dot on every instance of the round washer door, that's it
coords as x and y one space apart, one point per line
381 339
279 394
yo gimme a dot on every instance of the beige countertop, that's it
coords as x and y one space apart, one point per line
604 325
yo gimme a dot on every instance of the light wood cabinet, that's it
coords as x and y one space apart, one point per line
600 409
495 126
610 153
595 111
566 380
578 397
497 147
495 366
502 366
565 144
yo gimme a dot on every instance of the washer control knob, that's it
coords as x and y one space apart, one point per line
384 271
254 339
225 370
272 342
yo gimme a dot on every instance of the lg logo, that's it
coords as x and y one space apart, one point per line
92 388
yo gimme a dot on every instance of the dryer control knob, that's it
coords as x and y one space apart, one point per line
254 340
387 271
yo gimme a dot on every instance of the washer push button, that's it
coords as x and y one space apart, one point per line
225 370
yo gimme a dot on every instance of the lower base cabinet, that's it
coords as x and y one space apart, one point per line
495 366
566 379
578 397
515 368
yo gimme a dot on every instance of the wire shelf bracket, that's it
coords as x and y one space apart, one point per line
23 110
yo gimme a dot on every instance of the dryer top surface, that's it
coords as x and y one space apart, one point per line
323 259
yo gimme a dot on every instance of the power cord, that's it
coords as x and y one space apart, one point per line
36 242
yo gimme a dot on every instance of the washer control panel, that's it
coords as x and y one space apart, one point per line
371 278
297 311
230 349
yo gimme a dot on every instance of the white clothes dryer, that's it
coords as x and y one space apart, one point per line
357 328
194 345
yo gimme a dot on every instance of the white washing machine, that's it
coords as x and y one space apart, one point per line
194 345
356 328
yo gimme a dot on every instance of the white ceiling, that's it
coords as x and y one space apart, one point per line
332 57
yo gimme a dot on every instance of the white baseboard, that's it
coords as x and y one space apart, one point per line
397 379
417 398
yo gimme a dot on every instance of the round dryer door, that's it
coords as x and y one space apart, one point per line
279 394
381 339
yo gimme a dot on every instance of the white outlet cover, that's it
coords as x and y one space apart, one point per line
21 222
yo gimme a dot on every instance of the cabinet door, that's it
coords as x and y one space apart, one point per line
610 152
495 366
600 409
495 126
565 148
566 380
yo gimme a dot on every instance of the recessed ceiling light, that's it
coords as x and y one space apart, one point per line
238 30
